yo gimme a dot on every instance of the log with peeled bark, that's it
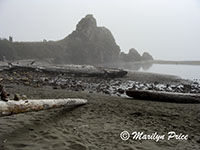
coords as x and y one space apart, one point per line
15 107
164 96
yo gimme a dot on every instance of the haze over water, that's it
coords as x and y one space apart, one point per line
184 71
168 29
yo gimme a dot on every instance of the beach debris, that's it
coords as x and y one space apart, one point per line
32 63
15 107
24 97
17 97
10 64
73 70
5 140
121 91
4 94
164 96
87 78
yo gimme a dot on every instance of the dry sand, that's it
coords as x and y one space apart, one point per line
97 125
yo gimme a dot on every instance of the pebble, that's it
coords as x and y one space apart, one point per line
24 97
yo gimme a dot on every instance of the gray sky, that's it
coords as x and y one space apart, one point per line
168 29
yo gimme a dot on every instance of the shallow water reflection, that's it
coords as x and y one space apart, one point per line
184 71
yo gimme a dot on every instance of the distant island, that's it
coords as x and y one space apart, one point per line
88 44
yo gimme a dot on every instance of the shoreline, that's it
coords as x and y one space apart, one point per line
94 79
98 124
173 62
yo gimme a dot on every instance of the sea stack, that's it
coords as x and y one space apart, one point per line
132 56
90 44
146 56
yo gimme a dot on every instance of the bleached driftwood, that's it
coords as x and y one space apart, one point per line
15 107
75 70
164 96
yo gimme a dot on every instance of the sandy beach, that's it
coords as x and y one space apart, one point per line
98 124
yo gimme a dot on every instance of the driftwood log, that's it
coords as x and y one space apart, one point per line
15 107
164 96
75 70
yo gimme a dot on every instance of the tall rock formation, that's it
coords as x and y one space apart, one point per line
90 44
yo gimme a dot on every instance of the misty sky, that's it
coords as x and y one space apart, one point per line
168 29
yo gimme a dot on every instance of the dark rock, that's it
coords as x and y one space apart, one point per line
31 129
90 44
146 56
106 92
132 56
187 88
17 97
62 86
4 95
121 91
55 87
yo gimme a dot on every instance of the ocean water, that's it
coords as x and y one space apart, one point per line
191 72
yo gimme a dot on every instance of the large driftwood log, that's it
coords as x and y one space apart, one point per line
75 70
15 107
164 96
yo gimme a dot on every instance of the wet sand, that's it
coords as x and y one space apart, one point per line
97 125
154 77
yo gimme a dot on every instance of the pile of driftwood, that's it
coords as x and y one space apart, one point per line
75 70
164 96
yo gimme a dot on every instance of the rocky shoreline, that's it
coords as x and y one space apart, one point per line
98 124
112 82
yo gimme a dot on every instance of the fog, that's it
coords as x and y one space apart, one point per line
168 29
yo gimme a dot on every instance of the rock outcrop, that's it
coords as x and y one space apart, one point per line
87 44
90 44
132 56
146 56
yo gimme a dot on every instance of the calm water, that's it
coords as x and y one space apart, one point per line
191 72
185 71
